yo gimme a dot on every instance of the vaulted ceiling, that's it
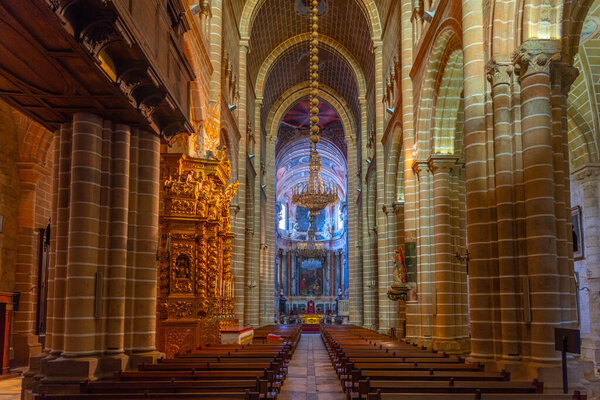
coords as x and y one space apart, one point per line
349 52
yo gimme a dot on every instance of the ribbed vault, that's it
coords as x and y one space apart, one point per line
292 69
279 20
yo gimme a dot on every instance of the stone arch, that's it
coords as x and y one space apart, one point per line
503 19
446 42
35 141
301 90
330 43
541 19
447 104
395 164
252 6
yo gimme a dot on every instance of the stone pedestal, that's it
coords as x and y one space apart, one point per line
26 345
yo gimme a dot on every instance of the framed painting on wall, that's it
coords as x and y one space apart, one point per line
577 228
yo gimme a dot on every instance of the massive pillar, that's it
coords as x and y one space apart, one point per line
238 210
534 59
476 181
450 335
102 277
143 348
501 78
423 321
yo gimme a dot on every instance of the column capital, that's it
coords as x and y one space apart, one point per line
587 173
499 72
245 45
441 163
387 208
419 167
398 206
258 102
536 56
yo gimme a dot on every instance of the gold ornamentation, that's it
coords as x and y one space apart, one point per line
195 273
180 309
179 340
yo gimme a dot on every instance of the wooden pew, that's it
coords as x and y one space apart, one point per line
247 395
206 386
372 367
475 396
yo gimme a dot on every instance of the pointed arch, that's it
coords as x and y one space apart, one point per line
328 42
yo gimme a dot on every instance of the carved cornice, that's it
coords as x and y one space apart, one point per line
587 173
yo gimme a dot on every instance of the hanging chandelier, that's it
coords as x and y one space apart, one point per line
311 249
315 194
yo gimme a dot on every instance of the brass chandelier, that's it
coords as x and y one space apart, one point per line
310 249
315 194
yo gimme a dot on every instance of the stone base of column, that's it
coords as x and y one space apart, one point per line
26 346
452 346
150 357
111 363
580 373
32 376
70 369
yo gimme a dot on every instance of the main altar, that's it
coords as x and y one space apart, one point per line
195 290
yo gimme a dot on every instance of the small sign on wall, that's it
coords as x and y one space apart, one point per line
577 233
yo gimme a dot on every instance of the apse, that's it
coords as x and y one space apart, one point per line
322 277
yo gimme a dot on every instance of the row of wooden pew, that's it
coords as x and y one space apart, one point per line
211 372
372 366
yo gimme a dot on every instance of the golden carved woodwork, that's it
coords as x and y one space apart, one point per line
195 276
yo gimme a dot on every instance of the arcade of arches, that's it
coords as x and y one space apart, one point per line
149 149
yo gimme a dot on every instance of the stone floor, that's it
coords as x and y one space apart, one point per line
310 374
10 389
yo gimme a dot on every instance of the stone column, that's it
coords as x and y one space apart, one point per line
448 331
383 272
83 237
239 224
294 274
423 320
408 142
117 241
144 334
562 77
534 59
590 184
476 181
288 274
500 75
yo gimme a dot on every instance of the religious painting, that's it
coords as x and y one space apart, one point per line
577 232
311 278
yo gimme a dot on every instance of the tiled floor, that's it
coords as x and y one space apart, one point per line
10 389
310 374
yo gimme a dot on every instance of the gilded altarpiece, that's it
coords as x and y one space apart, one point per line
195 298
